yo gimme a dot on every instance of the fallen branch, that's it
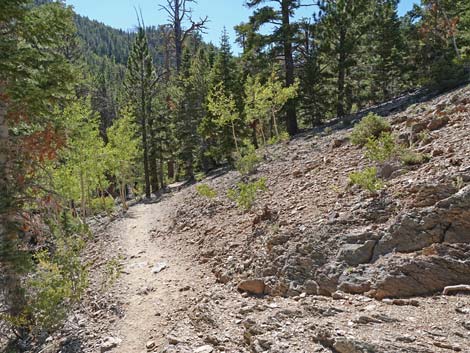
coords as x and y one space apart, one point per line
460 288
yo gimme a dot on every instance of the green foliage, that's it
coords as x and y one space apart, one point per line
283 137
59 279
222 106
370 127
123 150
84 161
264 101
102 204
206 191
248 162
245 193
367 179
111 273
409 157
383 148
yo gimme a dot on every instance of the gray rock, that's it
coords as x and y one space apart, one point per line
355 254
349 345
204 349
159 267
109 343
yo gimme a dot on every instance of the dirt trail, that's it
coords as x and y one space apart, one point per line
152 300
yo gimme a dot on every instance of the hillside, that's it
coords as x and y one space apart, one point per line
335 268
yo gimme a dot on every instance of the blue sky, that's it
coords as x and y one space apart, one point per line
228 13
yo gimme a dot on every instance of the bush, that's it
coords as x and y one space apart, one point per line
58 283
245 194
367 179
383 148
283 137
206 191
409 157
100 204
370 127
249 161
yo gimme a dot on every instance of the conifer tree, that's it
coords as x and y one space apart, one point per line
140 85
284 34
342 25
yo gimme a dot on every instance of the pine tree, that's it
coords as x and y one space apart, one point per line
224 85
387 50
342 24
283 34
140 85
31 39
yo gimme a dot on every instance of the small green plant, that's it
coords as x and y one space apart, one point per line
424 136
248 162
383 148
458 183
111 273
59 282
370 127
328 131
283 136
206 191
245 193
102 204
367 179
199 176
409 157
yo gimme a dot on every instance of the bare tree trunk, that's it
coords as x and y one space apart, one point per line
291 119
341 73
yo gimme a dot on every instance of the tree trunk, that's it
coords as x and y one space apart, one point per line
341 73
153 158
291 118
143 122
178 36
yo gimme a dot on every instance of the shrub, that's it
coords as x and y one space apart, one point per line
409 157
283 136
245 193
367 179
249 161
58 283
383 148
111 273
206 191
370 127
100 204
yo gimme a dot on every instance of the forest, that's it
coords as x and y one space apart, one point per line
91 116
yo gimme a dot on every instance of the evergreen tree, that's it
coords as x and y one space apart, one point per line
342 25
283 34
31 39
140 84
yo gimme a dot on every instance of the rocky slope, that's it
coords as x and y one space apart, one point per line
313 233
316 266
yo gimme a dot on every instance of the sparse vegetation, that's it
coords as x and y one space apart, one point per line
245 194
249 161
383 148
112 273
102 204
409 157
367 179
206 191
370 127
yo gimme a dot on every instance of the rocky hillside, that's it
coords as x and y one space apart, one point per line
313 233
318 265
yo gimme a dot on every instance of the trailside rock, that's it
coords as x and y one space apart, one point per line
252 286
355 254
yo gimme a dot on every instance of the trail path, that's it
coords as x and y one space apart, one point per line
153 301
